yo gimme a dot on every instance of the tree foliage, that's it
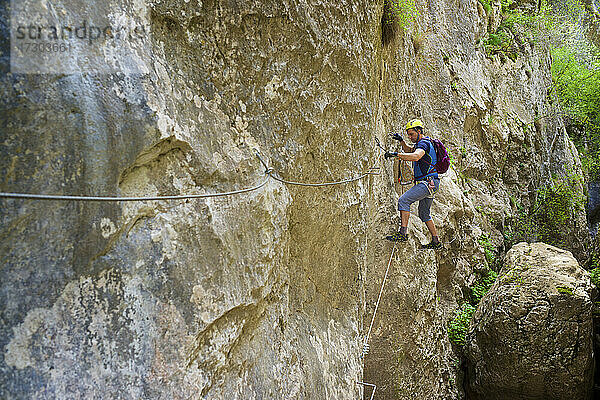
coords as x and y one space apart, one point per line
550 218
576 81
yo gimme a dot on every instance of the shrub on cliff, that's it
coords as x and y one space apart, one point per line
397 15
458 327
550 218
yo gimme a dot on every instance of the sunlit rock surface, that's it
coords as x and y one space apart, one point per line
531 335
266 294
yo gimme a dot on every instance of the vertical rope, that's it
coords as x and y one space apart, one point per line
366 344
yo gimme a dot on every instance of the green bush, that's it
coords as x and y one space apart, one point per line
459 325
397 15
400 12
595 277
576 80
564 290
482 286
550 218
491 257
520 227
557 208
505 40
486 5
501 42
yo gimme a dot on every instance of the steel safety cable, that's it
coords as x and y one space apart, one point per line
140 198
369 188
372 386
366 343
371 171
269 172
324 183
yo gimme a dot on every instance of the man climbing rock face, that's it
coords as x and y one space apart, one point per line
426 179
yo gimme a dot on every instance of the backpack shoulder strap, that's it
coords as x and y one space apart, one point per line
431 147
431 166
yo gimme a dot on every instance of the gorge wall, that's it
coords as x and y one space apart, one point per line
499 118
253 296
265 294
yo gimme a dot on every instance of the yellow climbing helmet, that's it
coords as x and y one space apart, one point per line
414 123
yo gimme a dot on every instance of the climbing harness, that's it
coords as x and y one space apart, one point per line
430 187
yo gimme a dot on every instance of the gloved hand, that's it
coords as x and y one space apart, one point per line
391 154
397 136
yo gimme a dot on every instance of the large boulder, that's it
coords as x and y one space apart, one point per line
531 336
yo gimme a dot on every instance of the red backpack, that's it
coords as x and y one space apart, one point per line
443 160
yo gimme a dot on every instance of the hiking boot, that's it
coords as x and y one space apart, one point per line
432 245
397 237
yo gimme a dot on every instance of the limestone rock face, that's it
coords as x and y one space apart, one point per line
257 295
268 294
531 336
487 112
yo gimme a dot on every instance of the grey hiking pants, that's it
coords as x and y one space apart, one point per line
419 193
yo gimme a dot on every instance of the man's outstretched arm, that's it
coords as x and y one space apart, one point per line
414 156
